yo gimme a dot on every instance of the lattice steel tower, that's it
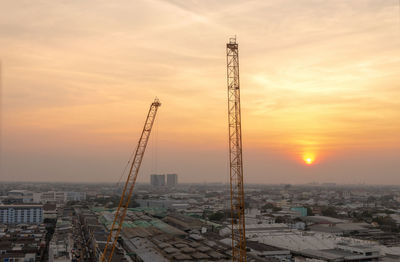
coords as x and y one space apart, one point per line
120 213
235 153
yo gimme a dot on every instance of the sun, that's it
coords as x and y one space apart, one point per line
309 159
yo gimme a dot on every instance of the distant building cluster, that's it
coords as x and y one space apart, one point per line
62 197
161 180
192 222
29 197
22 243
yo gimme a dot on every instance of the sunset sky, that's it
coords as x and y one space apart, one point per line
319 79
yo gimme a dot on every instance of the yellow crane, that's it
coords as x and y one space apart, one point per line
235 153
129 184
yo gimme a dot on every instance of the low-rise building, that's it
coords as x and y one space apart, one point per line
22 243
20 196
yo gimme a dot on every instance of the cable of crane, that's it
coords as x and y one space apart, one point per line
126 167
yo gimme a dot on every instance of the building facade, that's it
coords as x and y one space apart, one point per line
302 211
21 214
75 196
62 197
172 180
157 180
20 196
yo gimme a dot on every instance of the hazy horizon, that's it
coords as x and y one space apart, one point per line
318 79
147 183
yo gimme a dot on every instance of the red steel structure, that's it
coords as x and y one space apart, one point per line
129 184
235 153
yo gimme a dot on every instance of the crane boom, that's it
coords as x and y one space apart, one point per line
235 153
129 184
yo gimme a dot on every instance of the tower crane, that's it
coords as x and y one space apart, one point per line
129 184
235 153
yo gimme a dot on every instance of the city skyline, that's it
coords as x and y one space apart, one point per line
319 84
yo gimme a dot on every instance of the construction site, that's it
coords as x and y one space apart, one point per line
172 230
315 180
179 249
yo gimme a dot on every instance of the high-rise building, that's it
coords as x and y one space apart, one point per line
157 180
172 180
21 214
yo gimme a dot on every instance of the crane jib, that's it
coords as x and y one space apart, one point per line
120 213
235 153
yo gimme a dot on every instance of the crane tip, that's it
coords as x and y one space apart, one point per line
156 102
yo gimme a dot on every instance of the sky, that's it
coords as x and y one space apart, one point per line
319 80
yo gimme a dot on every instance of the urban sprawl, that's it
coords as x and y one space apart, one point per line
171 221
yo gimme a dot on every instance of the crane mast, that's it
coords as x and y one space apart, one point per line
129 184
235 153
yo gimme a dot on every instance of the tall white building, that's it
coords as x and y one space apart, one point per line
21 214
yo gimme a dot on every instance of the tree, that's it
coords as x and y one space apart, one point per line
329 211
309 211
387 223
280 220
217 216
133 204
287 186
267 206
